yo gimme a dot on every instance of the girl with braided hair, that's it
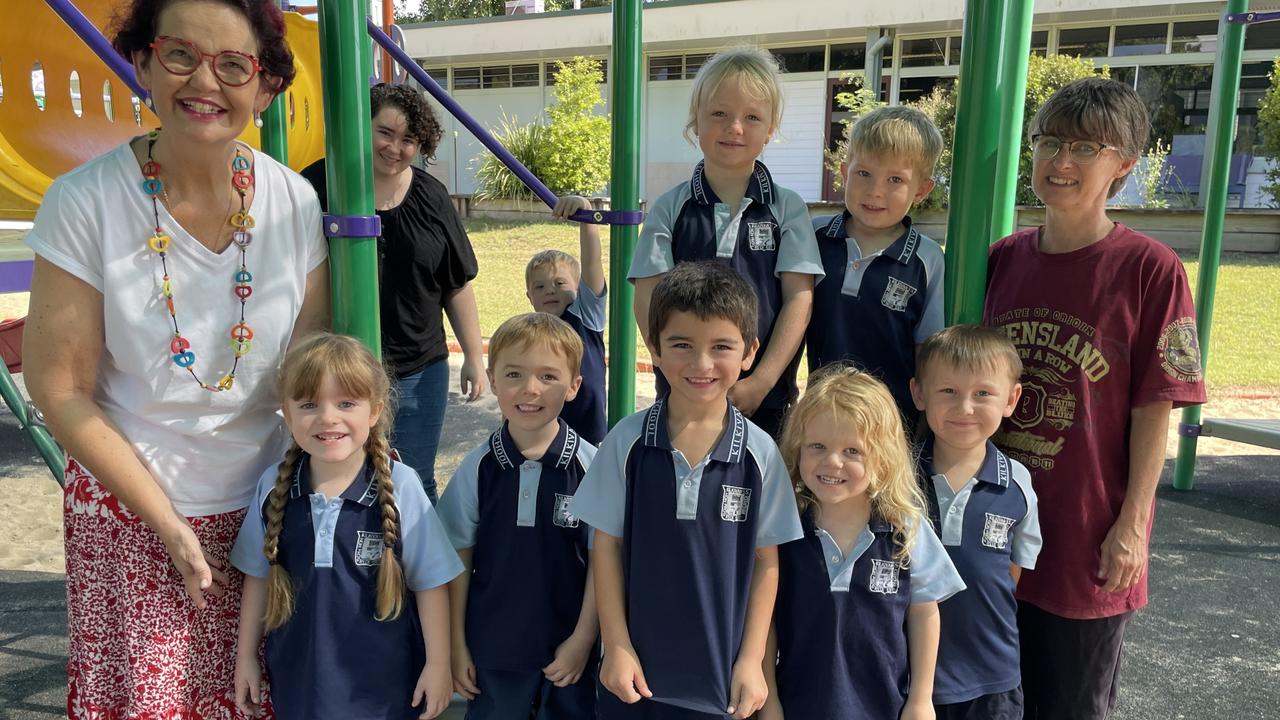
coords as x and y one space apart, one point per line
345 561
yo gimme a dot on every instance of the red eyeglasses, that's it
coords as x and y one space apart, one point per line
182 57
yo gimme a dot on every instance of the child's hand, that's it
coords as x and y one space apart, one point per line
746 395
569 662
748 691
772 710
918 709
621 675
434 688
464 672
569 205
248 685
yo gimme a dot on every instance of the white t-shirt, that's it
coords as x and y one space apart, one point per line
205 449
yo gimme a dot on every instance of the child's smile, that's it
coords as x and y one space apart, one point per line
832 461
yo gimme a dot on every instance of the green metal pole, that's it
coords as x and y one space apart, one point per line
1223 99
1012 86
624 194
44 442
345 59
275 125
977 143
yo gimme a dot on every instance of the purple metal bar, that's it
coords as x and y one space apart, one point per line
1253 17
15 276
97 42
533 183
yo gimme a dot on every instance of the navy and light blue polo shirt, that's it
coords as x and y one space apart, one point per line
771 234
689 535
990 524
873 311
841 619
332 658
529 552
586 412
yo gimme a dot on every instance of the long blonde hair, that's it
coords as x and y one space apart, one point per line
350 364
864 401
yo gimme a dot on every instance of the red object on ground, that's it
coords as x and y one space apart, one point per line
11 343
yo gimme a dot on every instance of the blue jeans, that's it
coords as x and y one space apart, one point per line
420 402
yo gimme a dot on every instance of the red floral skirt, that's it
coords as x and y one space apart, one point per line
139 648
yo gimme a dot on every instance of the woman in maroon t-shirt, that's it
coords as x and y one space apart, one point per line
1103 319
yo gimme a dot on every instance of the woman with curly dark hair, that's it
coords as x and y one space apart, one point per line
426 266
170 275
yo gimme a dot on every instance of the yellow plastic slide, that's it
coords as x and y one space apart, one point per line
61 106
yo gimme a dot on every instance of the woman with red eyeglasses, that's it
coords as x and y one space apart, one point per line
171 274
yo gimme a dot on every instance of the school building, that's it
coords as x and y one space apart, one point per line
1163 48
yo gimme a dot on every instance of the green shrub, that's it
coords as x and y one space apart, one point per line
569 153
1269 133
528 143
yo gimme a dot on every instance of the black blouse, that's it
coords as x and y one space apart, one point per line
423 255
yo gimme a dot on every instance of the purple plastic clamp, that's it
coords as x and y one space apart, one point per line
1252 17
352 226
1190 431
609 217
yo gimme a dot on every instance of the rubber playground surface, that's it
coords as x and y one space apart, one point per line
1207 647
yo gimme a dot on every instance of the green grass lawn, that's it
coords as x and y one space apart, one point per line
1242 348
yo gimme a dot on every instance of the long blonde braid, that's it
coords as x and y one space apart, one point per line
390 596
279 586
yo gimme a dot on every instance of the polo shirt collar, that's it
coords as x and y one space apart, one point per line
995 469
364 490
730 448
760 188
903 249
560 452
809 522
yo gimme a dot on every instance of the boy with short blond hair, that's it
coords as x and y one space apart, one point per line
523 613
556 283
882 293
689 501
983 508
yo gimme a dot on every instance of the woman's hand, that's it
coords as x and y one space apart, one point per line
201 573
473 378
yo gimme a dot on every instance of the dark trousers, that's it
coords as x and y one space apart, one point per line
1070 668
996 706
515 695
611 708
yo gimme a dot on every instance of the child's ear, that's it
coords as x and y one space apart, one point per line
574 387
926 187
749 357
1014 395
375 413
917 394
493 388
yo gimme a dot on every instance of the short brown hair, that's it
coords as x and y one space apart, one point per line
975 348
537 328
898 131
1099 109
708 289
551 257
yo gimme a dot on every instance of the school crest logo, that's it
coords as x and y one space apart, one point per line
995 532
734 503
1179 348
760 236
368 548
896 294
561 517
884 577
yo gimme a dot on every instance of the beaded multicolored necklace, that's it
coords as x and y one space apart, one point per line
241 336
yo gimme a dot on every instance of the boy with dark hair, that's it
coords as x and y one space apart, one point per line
882 293
1103 321
983 508
523 614
689 501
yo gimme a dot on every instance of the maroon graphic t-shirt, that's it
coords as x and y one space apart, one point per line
1100 330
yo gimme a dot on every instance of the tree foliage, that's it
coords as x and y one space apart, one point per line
1269 133
569 153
